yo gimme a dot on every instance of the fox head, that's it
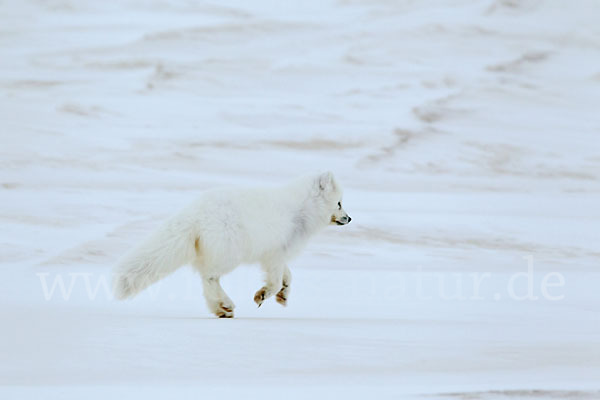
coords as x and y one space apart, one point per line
331 193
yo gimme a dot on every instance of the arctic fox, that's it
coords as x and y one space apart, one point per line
228 227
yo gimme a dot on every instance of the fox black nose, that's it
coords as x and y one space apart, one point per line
349 219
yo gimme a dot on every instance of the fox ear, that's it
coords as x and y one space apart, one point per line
326 181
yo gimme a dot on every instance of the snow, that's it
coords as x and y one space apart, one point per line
464 132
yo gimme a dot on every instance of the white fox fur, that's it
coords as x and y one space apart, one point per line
228 227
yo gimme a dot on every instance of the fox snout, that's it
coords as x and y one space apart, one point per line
343 220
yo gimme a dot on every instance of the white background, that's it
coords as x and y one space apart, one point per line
465 134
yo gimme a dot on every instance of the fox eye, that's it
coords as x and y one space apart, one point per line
339 205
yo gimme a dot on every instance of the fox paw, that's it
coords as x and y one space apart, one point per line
281 297
260 296
224 311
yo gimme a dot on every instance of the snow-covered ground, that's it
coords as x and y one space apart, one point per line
466 134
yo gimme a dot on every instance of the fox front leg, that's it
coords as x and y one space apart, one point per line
274 273
283 293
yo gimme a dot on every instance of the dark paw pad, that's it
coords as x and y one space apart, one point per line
224 311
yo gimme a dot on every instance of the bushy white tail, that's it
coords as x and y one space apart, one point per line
162 253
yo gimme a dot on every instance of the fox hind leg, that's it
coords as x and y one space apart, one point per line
217 300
